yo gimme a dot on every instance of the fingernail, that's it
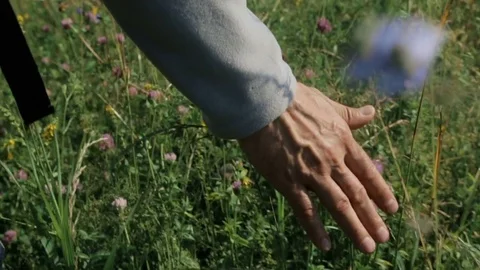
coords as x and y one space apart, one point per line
383 234
392 206
367 110
325 244
368 245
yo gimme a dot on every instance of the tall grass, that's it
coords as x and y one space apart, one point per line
184 212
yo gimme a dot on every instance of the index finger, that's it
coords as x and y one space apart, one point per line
363 167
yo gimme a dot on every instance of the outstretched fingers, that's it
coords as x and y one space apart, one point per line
307 215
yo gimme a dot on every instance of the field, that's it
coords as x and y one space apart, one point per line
126 176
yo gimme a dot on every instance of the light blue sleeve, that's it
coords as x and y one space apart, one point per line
218 54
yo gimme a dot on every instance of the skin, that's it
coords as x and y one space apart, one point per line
310 148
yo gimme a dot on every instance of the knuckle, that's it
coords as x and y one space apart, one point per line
307 214
359 196
342 205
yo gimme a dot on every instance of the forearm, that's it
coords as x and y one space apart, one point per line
218 54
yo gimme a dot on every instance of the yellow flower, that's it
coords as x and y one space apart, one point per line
148 86
109 109
49 131
20 19
247 182
95 10
10 143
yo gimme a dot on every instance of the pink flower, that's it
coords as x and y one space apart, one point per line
46 60
102 40
66 67
236 185
117 72
9 236
323 25
182 109
92 17
67 23
379 165
120 37
132 91
46 28
170 156
107 143
309 73
21 175
120 203
155 95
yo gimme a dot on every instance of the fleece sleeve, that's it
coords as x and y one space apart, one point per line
218 54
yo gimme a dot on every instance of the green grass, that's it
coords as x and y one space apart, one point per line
183 214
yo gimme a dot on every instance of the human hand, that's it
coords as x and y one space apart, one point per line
310 147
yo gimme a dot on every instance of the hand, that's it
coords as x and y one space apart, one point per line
310 147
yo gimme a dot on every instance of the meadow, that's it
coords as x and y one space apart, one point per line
125 175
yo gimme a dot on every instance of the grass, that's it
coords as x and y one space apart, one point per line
184 213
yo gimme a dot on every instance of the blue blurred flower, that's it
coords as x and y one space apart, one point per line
397 54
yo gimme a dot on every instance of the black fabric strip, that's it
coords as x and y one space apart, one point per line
20 69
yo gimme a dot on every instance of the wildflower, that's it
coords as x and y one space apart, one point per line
49 131
109 109
155 95
148 86
107 143
309 73
170 156
92 18
67 23
79 10
9 146
21 175
46 28
9 236
120 203
132 91
247 182
323 25
378 165
66 67
397 53
46 60
120 37
20 19
236 186
182 109
102 40
117 72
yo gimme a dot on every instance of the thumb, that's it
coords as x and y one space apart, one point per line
355 117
